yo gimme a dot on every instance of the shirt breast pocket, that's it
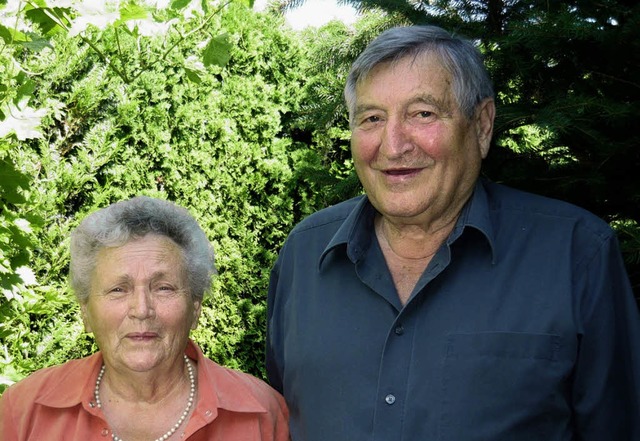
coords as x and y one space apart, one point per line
503 386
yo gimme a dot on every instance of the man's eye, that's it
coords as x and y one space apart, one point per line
370 121
426 114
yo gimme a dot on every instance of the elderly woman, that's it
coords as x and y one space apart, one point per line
139 269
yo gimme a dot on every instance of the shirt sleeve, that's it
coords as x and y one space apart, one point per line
280 423
274 424
273 368
8 429
606 383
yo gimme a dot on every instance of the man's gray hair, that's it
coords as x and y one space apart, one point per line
471 81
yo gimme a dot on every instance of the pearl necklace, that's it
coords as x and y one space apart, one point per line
192 394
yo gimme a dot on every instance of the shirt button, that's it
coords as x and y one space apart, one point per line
390 399
399 330
105 432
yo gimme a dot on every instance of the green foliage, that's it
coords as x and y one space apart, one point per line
170 115
566 76
18 221
241 121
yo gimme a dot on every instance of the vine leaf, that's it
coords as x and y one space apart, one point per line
218 51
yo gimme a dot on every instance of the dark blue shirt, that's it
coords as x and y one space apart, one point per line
523 327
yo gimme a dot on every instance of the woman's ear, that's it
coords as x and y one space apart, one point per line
85 320
197 309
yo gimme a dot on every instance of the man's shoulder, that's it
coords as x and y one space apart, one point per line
522 203
327 218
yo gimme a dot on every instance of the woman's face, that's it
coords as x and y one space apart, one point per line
139 308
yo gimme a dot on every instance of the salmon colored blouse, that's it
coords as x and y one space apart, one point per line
57 403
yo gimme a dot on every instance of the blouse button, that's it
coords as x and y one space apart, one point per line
390 399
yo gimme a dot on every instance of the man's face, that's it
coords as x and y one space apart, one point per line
415 153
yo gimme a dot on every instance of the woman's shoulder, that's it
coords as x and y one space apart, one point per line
46 381
228 377
242 384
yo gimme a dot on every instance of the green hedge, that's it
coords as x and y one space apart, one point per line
161 123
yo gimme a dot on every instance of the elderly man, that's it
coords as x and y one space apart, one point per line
441 306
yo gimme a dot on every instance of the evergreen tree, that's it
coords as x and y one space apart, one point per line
566 78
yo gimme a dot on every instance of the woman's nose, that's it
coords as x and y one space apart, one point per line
141 305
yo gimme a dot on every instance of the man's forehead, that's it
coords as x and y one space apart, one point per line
428 83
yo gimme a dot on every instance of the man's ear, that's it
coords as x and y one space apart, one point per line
484 116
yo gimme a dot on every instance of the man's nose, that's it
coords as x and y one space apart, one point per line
396 138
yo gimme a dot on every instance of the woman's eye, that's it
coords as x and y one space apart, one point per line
116 292
165 290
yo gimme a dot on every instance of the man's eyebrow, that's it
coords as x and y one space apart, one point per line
443 106
362 108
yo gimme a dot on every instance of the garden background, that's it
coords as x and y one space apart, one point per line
238 118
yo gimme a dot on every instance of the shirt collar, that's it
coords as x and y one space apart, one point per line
355 231
476 214
74 385
220 388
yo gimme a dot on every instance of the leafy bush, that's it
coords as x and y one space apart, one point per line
169 116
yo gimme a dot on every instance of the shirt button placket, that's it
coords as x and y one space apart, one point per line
393 381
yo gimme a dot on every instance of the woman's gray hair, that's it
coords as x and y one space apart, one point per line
124 221
471 81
